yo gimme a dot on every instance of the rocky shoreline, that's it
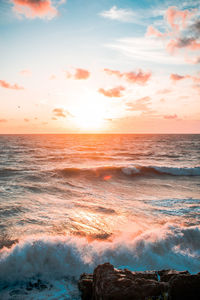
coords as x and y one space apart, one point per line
109 283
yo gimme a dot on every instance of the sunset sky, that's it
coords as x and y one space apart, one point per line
99 66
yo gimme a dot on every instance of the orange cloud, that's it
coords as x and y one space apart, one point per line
60 112
170 117
115 92
80 74
139 77
26 120
3 120
7 85
35 8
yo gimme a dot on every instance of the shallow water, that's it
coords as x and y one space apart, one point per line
69 202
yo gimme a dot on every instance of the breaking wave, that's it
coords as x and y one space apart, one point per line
131 170
64 257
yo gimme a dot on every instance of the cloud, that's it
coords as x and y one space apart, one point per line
60 112
80 74
25 72
7 85
119 14
177 19
35 8
139 77
141 104
176 77
26 120
153 31
183 34
170 117
164 91
3 120
115 92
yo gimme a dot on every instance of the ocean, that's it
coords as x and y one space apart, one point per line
71 202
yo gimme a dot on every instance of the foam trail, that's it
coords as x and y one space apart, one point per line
58 257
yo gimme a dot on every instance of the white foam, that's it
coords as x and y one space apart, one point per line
57 257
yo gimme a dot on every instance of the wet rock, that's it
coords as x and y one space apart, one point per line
110 283
184 287
85 285
166 275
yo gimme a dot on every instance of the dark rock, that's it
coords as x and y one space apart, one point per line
166 275
108 283
113 284
184 287
85 285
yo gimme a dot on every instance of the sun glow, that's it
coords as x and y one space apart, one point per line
90 115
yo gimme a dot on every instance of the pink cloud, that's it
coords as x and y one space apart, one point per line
7 85
176 77
115 92
153 31
141 104
139 77
170 117
164 91
177 19
35 8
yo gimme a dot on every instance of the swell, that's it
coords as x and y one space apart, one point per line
130 171
60 257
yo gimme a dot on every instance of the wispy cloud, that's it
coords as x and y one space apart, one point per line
60 112
25 72
139 77
170 117
119 14
7 85
141 104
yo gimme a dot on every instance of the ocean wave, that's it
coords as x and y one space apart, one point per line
130 170
54 258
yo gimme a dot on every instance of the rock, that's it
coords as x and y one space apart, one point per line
166 275
108 283
113 284
184 287
85 285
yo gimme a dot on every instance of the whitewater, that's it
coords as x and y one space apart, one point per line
71 202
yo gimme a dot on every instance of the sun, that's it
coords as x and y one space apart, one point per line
89 115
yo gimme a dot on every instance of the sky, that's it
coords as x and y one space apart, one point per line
106 66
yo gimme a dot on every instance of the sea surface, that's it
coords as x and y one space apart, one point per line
70 202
